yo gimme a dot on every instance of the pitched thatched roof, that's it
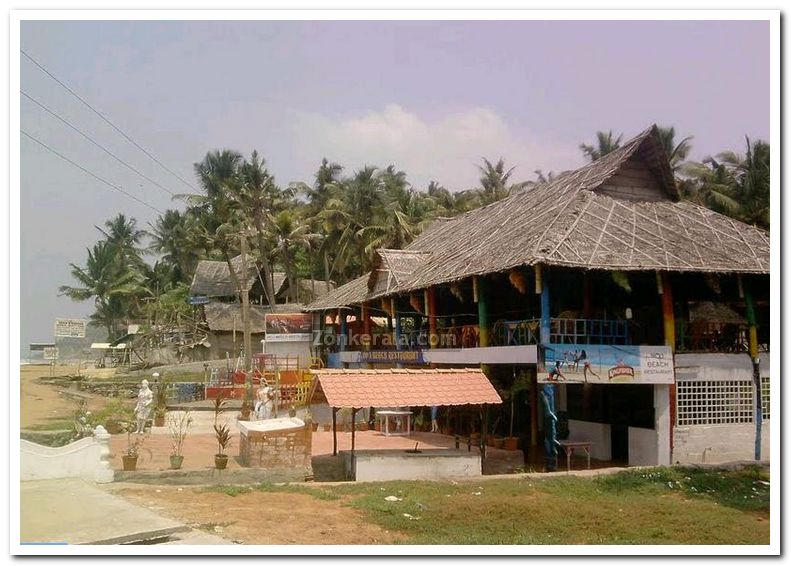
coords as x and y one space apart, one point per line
224 317
213 278
309 289
351 293
393 268
621 212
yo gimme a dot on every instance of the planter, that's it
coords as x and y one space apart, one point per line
314 426
327 428
220 461
362 426
499 442
175 462
130 463
511 443
159 420
490 440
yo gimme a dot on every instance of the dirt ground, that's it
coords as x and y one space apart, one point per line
260 517
41 404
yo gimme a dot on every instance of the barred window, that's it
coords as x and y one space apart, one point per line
765 397
714 402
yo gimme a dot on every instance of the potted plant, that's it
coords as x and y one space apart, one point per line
520 383
222 434
132 451
247 408
178 425
161 403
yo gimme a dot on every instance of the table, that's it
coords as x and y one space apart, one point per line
570 445
387 414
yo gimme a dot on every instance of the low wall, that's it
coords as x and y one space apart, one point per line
643 447
715 444
598 434
384 465
88 458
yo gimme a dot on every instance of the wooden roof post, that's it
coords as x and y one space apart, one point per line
397 326
430 303
365 315
753 334
354 414
479 295
334 431
342 337
669 321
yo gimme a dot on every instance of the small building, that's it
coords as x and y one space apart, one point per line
655 311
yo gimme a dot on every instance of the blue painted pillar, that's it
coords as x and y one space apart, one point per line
543 288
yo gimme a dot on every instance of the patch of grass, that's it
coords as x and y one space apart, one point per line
633 507
59 424
235 490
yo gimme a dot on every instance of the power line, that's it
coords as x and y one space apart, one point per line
102 116
78 166
93 141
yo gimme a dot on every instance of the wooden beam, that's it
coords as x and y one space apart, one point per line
334 432
753 345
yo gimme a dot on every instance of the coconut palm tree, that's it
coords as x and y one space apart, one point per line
494 181
751 175
109 283
122 234
676 152
288 235
605 143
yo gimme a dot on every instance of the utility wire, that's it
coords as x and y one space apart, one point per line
93 141
102 116
78 166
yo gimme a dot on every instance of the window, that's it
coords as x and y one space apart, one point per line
714 402
765 398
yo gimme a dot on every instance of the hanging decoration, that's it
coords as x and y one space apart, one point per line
414 302
455 290
518 280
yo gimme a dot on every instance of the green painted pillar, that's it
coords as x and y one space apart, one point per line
483 311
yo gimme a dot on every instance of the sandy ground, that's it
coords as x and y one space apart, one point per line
41 404
260 517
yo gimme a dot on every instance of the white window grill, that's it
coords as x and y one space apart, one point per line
714 402
765 398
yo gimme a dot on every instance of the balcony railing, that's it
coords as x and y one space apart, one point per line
515 332
705 336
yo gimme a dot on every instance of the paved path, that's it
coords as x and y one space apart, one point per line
75 512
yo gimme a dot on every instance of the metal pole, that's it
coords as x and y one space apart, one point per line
334 432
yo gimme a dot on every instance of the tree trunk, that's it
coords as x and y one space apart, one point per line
265 267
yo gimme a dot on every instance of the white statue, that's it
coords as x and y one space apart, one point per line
265 402
145 397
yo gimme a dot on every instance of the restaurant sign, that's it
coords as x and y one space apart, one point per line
289 327
604 364
391 357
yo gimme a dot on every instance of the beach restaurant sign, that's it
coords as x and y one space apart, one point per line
289 327
605 364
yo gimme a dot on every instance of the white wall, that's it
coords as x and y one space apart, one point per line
598 434
87 459
661 425
643 447
713 444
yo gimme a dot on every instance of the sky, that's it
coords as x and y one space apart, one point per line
430 97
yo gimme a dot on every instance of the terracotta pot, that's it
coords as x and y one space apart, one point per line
314 426
130 463
511 443
490 440
220 461
327 428
499 442
159 420
175 462
362 426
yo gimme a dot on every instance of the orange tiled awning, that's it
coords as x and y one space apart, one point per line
356 388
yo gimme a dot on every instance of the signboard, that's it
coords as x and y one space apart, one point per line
605 364
289 327
198 300
392 357
40 346
50 353
69 328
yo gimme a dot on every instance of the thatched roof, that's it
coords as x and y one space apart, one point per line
224 317
309 289
213 278
351 293
393 268
621 212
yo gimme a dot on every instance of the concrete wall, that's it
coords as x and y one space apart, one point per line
299 349
662 426
643 447
598 434
384 465
714 444
717 443
87 459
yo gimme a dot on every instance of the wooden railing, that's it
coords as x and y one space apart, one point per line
705 336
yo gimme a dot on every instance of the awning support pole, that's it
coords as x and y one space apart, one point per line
753 345
354 415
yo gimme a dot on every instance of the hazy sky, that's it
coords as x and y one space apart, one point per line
430 97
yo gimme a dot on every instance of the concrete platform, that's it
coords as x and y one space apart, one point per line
72 511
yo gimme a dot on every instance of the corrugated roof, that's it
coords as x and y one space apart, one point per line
354 388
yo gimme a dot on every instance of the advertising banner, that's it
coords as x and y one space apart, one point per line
50 353
391 356
69 328
605 364
289 327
